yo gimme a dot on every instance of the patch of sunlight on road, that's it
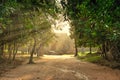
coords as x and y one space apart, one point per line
58 56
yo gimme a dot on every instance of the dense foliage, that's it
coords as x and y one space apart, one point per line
22 21
93 23
96 23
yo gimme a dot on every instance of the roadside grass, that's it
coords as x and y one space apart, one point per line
97 59
94 58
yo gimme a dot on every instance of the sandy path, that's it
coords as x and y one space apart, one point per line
61 68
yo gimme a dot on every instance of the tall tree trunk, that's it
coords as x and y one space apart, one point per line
32 52
104 50
90 48
1 48
9 51
15 51
76 50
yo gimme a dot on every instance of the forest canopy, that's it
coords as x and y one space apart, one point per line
96 23
22 21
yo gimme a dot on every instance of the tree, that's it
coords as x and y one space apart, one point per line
40 26
19 21
97 23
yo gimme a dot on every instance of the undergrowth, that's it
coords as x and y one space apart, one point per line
97 59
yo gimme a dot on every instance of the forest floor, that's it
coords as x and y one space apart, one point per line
61 68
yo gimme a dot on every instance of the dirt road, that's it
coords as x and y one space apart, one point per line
61 68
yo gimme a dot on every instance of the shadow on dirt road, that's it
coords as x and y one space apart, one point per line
62 67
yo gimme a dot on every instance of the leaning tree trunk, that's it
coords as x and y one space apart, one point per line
104 50
115 52
32 52
110 50
15 51
9 51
